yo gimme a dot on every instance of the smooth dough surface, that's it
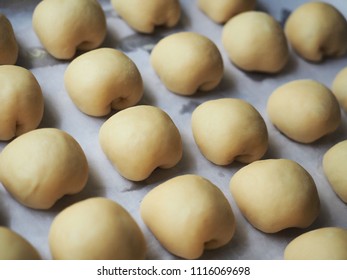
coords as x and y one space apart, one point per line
65 26
329 243
139 139
188 214
316 30
96 229
339 88
335 168
145 16
8 44
229 129
222 10
40 166
21 100
275 194
304 110
101 80
14 247
187 62
263 51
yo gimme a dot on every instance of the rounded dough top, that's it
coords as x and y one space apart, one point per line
8 44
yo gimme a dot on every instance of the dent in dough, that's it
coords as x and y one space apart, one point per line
8 44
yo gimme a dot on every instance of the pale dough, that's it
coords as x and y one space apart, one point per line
316 30
339 88
101 80
188 214
275 194
65 26
8 44
96 229
265 50
228 130
40 166
21 100
304 110
187 62
139 139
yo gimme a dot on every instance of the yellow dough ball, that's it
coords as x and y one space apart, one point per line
188 214
255 41
8 44
41 166
21 100
101 80
96 229
316 30
187 62
339 88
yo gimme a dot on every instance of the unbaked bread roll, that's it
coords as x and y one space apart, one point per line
188 214
22 103
255 41
316 30
304 110
96 229
275 194
8 43
40 166
339 88
222 10
229 129
140 139
329 243
145 16
187 62
101 80
14 247
335 168
65 26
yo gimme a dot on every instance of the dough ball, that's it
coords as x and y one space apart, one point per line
229 129
145 16
329 243
65 26
304 110
255 41
15 247
41 166
21 100
339 88
8 43
222 10
102 80
335 168
96 229
316 30
194 216
139 139
275 194
187 62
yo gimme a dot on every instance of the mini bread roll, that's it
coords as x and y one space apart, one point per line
335 168
101 80
41 166
21 100
140 139
65 26
8 44
255 41
187 62
145 16
188 214
304 110
229 129
96 229
14 247
339 88
316 30
275 194
329 243
222 10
